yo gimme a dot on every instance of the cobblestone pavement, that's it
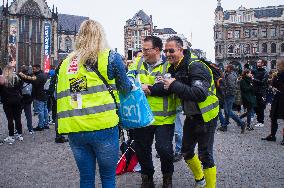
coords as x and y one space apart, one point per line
242 161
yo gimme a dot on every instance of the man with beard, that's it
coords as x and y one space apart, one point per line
260 79
193 83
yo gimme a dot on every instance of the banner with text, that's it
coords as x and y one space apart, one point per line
12 41
47 45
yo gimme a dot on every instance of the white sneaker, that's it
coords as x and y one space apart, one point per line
259 125
200 184
31 132
20 137
9 140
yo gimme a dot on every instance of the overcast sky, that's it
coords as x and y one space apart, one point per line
184 16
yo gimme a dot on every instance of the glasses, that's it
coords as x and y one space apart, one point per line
171 51
146 49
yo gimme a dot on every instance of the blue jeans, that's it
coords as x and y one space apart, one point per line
221 117
228 106
103 146
178 131
42 113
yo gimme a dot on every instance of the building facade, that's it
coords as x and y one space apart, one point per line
33 33
140 26
246 35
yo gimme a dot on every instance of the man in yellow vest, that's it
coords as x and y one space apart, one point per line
193 83
150 69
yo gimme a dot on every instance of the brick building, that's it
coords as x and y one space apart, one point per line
245 35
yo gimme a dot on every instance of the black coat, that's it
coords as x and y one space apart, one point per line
247 92
260 81
12 95
277 107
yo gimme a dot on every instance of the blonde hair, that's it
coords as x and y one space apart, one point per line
280 64
90 41
9 76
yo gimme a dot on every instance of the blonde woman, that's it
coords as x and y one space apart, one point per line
86 110
277 110
10 91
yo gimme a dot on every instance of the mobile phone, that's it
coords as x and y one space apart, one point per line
129 55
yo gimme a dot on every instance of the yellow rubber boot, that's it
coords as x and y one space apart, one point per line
195 165
210 177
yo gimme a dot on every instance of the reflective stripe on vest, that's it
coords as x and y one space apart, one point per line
90 90
97 110
210 107
86 111
168 113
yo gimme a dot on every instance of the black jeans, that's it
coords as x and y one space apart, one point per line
28 113
143 139
260 107
274 126
13 112
195 131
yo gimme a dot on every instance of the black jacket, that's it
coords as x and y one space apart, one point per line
260 81
38 92
12 95
191 85
277 110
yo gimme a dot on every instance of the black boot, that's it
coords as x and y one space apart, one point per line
282 143
270 138
147 181
167 181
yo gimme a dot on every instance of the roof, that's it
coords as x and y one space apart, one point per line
219 8
262 12
269 12
164 31
140 15
70 22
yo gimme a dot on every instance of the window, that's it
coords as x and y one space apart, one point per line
220 48
273 32
264 48
68 44
146 32
231 49
264 33
282 32
237 49
246 49
254 48
247 33
230 34
282 47
237 34
254 33
273 48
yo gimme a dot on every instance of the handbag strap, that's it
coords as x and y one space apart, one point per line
90 65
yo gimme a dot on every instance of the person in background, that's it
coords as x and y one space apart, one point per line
86 110
260 84
51 97
248 96
10 92
229 99
39 95
277 110
27 100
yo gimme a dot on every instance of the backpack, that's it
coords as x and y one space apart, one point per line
27 89
47 84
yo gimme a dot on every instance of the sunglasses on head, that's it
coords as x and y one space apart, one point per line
171 51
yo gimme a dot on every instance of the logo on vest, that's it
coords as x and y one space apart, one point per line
73 66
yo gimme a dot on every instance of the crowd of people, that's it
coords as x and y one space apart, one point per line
82 92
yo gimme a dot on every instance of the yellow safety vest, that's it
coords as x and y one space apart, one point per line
163 108
97 109
210 107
